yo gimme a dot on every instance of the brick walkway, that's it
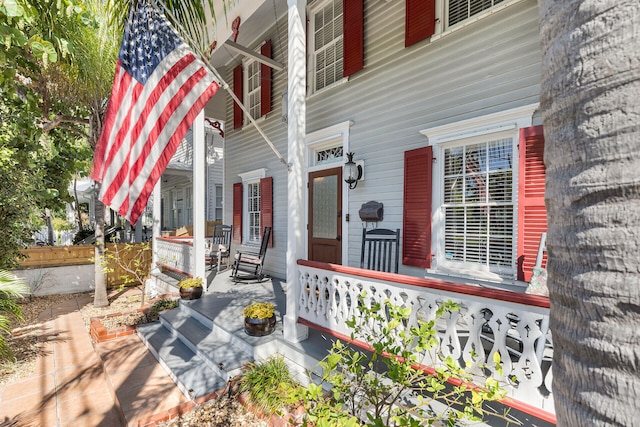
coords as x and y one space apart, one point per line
116 384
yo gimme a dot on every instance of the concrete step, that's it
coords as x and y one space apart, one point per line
190 372
214 346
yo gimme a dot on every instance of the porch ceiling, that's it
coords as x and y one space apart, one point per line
253 25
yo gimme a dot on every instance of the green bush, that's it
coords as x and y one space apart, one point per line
267 384
386 386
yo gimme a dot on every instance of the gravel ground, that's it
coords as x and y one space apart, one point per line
221 413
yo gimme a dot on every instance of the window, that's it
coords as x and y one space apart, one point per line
218 208
335 41
253 212
252 84
460 10
478 205
253 88
252 207
189 205
327 44
426 18
474 197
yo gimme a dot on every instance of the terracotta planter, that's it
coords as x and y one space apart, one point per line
259 327
191 293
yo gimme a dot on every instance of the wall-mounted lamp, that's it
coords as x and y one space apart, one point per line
352 172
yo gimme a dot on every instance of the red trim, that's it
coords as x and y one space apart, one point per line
420 20
238 92
266 206
265 80
353 36
416 218
237 212
532 212
516 404
175 270
497 294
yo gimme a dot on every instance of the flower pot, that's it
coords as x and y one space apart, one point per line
259 327
191 293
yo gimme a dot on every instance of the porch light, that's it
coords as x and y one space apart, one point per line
352 172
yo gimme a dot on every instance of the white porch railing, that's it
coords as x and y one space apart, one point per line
489 321
176 253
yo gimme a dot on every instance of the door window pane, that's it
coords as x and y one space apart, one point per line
325 207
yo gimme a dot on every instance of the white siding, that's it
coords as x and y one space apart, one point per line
489 66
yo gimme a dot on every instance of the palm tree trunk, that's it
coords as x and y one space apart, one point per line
100 298
590 98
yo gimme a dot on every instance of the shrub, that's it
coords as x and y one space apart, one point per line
267 384
387 386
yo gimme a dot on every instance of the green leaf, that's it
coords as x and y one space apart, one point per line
12 8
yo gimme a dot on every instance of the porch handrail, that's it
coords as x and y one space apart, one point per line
514 325
175 253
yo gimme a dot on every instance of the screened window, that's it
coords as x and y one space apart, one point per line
478 203
253 212
326 25
253 88
460 10
218 208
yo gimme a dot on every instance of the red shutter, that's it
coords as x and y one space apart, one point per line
237 212
353 40
237 90
420 20
266 206
416 239
265 80
532 212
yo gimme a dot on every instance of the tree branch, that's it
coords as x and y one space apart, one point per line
57 121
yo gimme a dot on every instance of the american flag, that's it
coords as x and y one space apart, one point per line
158 90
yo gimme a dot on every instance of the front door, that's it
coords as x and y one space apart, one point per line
325 216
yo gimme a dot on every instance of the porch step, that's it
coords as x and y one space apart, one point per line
190 372
218 350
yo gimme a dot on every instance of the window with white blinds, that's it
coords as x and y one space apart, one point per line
326 27
253 212
479 204
252 97
460 10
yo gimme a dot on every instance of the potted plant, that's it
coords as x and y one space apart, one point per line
190 288
259 319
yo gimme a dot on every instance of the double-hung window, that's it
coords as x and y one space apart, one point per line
474 197
252 85
426 18
335 42
253 212
326 43
252 95
460 10
252 207
478 204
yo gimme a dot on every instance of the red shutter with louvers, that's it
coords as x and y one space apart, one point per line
237 90
416 239
266 206
532 212
237 212
353 36
265 80
420 20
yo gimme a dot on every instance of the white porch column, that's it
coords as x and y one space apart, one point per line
198 197
296 115
157 221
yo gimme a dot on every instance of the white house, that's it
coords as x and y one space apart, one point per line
437 100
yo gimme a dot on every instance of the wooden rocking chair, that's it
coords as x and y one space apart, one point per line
248 265
380 250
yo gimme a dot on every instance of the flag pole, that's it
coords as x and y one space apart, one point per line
223 83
